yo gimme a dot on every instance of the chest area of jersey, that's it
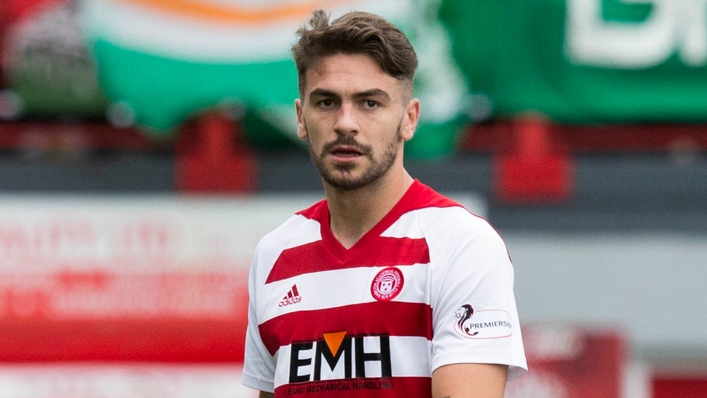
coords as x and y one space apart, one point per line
354 300
363 323
347 291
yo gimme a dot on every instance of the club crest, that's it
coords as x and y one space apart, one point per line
387 284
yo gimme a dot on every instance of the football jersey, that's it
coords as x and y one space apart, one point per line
430 285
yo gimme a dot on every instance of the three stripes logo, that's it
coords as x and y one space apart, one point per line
292 297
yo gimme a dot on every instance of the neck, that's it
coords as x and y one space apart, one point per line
354 213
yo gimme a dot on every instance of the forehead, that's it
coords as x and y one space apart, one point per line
350 74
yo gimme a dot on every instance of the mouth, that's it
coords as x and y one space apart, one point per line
345 152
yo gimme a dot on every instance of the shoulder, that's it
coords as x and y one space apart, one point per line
283 236
450 231
302 225
449 228
301 228
437 214
453 220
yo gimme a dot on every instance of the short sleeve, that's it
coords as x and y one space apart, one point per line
475 319
259 365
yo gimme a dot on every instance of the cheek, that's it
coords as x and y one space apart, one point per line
314 140
318 130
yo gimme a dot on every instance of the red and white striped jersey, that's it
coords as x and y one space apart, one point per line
430 285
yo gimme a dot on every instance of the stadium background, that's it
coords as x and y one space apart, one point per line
146 145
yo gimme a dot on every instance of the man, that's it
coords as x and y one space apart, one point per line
385 288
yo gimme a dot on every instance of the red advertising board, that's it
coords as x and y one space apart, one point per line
93 380
140 279
571 362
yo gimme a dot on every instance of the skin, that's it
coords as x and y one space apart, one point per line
469 380
356 118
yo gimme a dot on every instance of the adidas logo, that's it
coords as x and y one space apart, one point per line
292 297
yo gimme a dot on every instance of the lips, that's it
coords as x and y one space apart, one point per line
344 151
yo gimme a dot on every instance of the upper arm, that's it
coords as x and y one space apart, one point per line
473 380
475 320
264 394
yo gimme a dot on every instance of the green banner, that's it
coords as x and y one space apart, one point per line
583 61
162 63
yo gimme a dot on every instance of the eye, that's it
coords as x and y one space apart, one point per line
370 104
326 103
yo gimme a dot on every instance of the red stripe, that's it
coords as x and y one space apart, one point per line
383 251
422 196
301 260
392 318
386 251
418 387
314 211
418 196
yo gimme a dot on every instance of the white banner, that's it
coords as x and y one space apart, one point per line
135 256
97 257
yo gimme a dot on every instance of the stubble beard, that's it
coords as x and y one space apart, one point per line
341 175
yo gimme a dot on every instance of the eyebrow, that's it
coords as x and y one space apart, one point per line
376 92
320 92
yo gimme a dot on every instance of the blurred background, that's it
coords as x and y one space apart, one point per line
147 145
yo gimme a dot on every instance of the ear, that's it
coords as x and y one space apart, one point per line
301 125
412 116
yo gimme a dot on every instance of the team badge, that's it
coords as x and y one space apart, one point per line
387 284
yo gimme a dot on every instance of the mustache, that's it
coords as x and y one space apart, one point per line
347 140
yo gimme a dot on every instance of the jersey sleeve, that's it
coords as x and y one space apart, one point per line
475 319
259 365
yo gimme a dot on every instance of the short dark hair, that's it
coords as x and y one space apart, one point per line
355 33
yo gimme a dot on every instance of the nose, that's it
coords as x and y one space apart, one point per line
346 120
